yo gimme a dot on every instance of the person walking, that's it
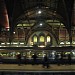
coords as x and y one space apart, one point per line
45 61
69 58
34 59
19 59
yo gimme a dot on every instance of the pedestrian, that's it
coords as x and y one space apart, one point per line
69 58
34 58
25 59
61 58
57 60
45 61
19 59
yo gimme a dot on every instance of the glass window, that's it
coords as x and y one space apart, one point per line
41 38
35 38
48 38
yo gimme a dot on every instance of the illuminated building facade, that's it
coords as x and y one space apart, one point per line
37 22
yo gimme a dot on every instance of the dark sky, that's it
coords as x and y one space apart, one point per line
9 6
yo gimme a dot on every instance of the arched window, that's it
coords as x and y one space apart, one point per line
42 39
48 39
35 39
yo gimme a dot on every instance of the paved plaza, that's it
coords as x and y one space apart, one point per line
22 67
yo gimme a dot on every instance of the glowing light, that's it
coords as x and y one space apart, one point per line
0 46
61 42
41 46
67 42
17 46
8 29
42 39
53 53
29 51
13 32
31 43
39 12
41 24
39 54
73 42
32 54
21 43
73 53
48 38
3 43
18 52
8 43
15 43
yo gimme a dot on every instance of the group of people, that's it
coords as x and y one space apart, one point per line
34 60
61 58
45 61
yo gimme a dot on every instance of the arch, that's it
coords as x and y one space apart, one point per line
43 36
50 13
47 28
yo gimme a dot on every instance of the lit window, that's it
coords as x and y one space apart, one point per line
48 38
41 38
35 38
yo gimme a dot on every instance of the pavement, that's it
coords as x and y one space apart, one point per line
29 67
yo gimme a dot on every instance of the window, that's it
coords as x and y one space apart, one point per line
35 39
48 38
42 39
